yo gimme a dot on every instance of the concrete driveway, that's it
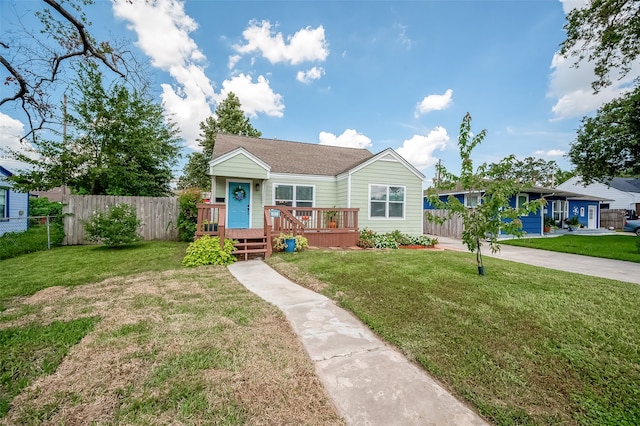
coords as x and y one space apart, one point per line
586 265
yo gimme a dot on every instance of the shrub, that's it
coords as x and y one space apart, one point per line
366 239
44 207
188 200
279 243
115 226
207 251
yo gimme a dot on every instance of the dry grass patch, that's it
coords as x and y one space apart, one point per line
176 347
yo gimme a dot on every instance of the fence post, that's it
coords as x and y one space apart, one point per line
48 234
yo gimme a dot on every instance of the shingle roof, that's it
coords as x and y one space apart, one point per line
294 157
625 184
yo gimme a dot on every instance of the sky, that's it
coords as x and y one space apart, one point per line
365 74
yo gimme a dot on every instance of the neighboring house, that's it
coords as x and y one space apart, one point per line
622 193
561 205
248 174
14 206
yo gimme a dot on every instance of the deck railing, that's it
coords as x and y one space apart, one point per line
211 220
299 220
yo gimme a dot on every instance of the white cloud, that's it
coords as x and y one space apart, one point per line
255 97
233 60
11 130
551 153
571 85
434 103
419 149
163 31
308 44
349 139
308 76
569 5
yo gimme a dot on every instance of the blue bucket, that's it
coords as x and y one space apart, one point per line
290 245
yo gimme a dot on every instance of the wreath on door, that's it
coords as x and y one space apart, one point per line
239 194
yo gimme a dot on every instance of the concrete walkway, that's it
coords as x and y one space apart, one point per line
370 382
586 265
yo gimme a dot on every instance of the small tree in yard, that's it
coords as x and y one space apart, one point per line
115 226
493 212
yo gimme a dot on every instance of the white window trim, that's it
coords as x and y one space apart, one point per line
386 208
294 185
522 194
5 209
466 199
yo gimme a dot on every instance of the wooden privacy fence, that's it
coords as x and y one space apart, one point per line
612 218
159 215
451 228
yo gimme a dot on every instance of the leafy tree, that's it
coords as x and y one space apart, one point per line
229 119
118 144
607 32
493 212
533 171
608 145
35 62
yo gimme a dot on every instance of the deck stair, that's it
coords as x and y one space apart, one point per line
252 243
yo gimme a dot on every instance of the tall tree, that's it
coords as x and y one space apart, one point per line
493 212
229 118
608 145
606 32
34 62
119 143
532 171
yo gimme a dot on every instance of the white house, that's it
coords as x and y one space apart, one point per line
14 206
623 193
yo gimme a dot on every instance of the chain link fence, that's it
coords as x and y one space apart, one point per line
22 235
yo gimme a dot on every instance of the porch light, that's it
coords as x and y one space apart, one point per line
257 187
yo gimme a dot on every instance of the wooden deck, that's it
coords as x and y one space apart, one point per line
237 234
323 227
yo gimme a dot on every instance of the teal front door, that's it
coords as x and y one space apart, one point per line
238 206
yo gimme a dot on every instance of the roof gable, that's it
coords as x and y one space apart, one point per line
388 155
293 157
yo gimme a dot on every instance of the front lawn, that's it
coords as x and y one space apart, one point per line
128 336
619 247
523 344
76 265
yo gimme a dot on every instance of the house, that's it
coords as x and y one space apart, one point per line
560 206
14 206
313 182
622 193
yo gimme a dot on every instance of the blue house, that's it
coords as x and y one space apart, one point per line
14 206
561 206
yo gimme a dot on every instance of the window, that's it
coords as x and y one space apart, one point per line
472 200
560 210
293 195
521 200
4 202
386 201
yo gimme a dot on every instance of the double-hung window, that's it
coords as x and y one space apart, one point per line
4 203
386 201
521 200
293 195
472 199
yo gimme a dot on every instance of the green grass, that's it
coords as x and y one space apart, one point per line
76 265
27 353
619 247
14 244
170 344
523 344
